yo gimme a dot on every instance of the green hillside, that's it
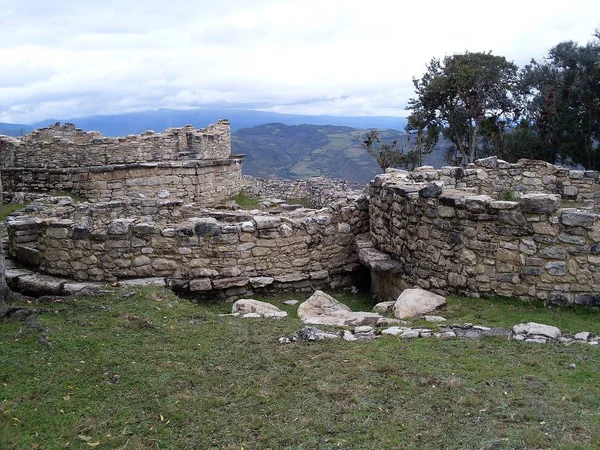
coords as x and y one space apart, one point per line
302 151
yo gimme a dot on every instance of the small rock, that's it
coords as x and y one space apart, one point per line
364 332
348 336
533 328
290 302
481 328
434 319
383 307
583 336
572 366
249 308
284 340
416 302
538 340
445 335
393 331
386 322
313 334
409 334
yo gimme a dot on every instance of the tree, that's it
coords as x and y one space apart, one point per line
407 151
564 102
459 95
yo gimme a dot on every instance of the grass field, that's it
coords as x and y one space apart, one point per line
144 370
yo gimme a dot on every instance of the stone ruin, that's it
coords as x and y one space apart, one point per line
528 229
180 163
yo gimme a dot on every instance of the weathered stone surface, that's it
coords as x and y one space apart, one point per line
322 309
572 217
200 285
320 303
537 329
431 190
416 302
539 203
383 307
207 226
263 309
260 282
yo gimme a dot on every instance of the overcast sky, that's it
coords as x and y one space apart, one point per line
71 58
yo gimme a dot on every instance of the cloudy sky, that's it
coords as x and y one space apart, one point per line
72 58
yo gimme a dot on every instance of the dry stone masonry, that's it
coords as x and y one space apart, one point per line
529 229
184 163
214 253
461 241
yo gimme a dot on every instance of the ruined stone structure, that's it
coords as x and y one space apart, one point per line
319 192
461 241
451 230
223 252
184 163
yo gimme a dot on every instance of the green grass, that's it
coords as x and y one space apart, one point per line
246 201
10 208
191 379
303 201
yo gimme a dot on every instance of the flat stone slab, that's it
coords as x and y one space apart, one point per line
246 306
344 319
134 282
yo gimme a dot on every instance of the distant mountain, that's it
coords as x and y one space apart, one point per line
300 151
14 129
138 122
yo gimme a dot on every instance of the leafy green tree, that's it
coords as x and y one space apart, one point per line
564 102
459 95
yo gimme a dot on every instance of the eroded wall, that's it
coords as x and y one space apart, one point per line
61 146
453 241
200 250
181 163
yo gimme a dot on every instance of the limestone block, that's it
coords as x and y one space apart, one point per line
200 285
263 309
119 226
539 203
207 226
266 222
556 268
416 302
573 217
260 282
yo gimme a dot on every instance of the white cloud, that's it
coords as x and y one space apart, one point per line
337 57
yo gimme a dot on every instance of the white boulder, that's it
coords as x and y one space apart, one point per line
416 302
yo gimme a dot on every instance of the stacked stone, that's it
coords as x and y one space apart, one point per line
495 177
219 250
455 241
183 163
319 192
66 146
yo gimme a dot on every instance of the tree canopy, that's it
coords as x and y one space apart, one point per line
483 104
466 97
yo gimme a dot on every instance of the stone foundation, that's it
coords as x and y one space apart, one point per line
453 241
197 250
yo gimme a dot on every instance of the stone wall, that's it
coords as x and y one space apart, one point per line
454 241
200 251
318 191
63 146
184 163
204 181
497 178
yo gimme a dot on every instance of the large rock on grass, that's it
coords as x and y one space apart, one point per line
245 306
323 309
416 302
